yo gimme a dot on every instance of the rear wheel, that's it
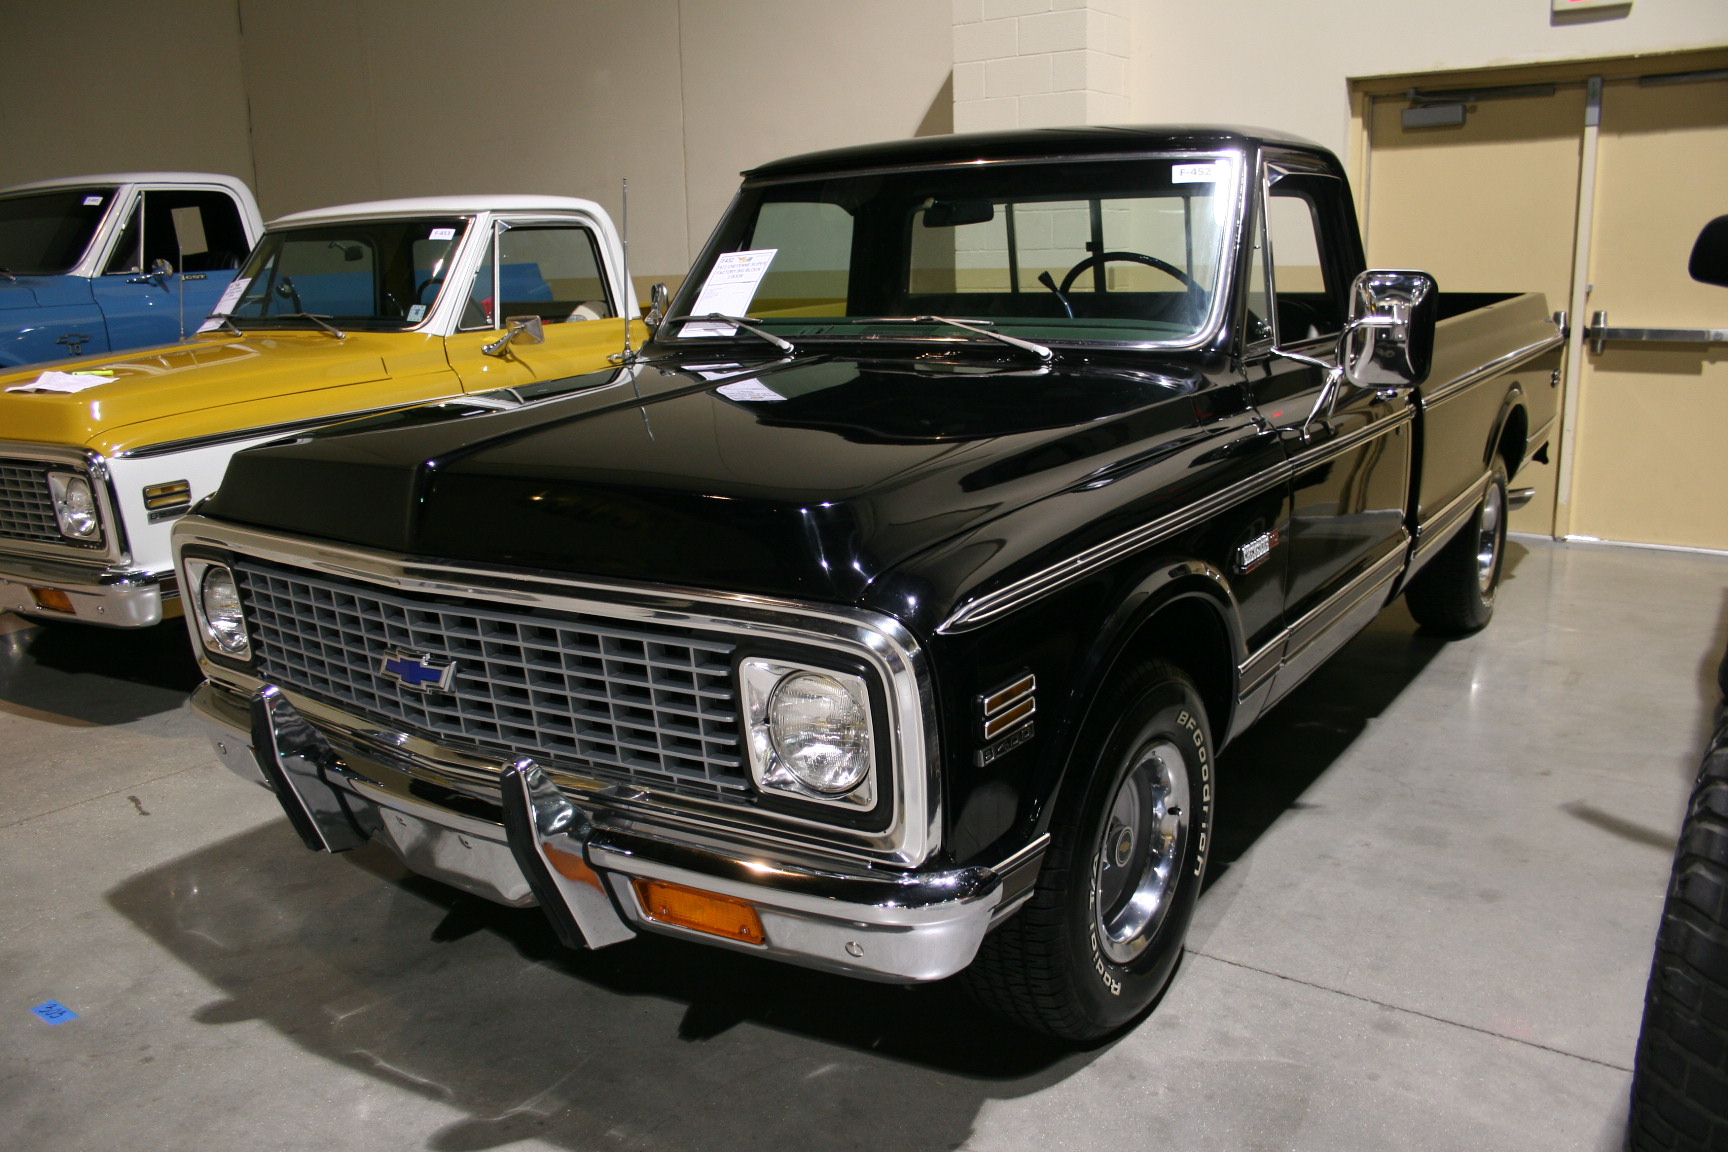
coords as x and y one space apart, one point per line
1103 930
1454 593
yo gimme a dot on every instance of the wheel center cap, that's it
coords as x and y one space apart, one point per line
1123 847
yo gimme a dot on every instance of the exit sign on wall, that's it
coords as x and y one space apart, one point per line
1581 5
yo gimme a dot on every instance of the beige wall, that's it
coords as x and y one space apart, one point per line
1285 66
102 85
330 101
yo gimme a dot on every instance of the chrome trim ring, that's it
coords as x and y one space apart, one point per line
1134 874
1488 538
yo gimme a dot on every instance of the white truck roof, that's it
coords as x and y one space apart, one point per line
443 206
232 182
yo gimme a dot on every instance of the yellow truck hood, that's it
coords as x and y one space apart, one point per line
217 385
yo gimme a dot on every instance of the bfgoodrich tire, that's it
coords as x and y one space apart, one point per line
1454 593
1104 928
1680 1076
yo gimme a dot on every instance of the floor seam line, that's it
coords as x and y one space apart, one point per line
99 796
1414 1012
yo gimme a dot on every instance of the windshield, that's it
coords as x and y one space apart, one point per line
45 233
366 274
1097 251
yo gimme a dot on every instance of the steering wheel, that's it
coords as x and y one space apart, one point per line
1196 293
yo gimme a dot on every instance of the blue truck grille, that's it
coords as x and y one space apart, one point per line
638 703
26 506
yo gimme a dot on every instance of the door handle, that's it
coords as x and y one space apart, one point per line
1600 334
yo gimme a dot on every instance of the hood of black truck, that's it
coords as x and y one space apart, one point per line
803 478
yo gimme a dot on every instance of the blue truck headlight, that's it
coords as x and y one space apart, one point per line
74 506
810 732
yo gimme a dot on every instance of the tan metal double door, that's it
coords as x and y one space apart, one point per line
1593 194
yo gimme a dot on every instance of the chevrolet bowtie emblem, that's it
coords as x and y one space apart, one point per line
418 671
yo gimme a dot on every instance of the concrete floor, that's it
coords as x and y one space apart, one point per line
1438 875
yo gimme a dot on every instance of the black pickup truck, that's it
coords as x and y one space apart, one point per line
886 613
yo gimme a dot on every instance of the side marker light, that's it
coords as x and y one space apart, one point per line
700 911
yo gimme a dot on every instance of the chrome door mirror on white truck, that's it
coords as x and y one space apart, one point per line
1388 341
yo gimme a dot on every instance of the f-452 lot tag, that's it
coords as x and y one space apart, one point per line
1207 173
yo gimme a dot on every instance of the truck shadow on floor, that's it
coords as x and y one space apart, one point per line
97 675
656 1043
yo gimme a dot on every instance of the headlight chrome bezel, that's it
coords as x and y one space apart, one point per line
199 574
63 489
760 679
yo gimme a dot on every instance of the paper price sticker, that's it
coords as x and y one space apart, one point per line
92 201
225 305
748 390
730 287
416 313
442 234
1208 173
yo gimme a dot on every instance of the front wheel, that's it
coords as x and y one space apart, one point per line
1103 930
1454 594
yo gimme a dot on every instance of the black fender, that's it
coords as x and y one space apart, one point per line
1130 632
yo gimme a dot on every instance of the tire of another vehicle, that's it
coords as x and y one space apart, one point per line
1103 930
1680 1075
1454 593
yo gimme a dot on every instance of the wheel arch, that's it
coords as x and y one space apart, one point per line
1186 614
1510 437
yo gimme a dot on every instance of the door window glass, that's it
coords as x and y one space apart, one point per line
1309 303
552 271
193 230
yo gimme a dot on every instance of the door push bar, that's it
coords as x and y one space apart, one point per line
1600 334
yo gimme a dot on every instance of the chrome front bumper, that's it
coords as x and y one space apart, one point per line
578 862
98 595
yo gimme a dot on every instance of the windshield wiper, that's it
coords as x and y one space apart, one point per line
743 322
1044 354
318 320
226 321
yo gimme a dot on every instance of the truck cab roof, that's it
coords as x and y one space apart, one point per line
1023 144
234 183
439 206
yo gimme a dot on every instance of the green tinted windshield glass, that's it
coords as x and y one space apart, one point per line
1116 251
44 233
368 274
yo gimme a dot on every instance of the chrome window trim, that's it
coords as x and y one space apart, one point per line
1229 242
881 642
982 609
113 549
1494 367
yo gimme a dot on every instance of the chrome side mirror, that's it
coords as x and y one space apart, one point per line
160 270
1388 341
658 298
528 329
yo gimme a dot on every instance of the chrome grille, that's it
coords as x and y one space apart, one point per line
641 703
26 507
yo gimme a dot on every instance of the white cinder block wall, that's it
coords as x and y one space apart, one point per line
1040 63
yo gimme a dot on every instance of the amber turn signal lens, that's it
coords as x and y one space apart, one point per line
52 599
700 911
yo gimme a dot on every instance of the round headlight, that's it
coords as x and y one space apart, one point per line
74 505
821 732
224 622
